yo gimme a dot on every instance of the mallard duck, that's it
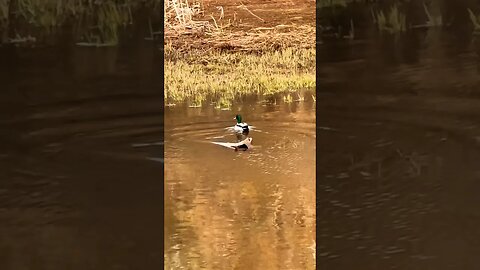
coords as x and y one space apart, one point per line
242 145
240 126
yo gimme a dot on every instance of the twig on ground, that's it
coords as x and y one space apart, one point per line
242 6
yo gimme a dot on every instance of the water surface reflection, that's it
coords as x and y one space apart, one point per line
74 191
398 173
240 210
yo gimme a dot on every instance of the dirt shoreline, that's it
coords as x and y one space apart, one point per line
250 49
250 25
258 13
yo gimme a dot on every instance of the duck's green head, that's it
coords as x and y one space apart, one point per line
238 117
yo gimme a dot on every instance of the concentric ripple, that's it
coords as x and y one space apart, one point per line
217 199
399 151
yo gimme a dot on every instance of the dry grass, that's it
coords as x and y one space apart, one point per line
98 22
3 11
227 75
207 59
393 21
106 20
258 39
475 19
179 18
184 31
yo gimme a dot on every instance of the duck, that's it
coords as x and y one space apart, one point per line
242 145
240 126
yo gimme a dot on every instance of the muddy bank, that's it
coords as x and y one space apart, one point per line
228 58
240 25
254 13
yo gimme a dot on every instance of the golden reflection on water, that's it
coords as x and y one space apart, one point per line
253 210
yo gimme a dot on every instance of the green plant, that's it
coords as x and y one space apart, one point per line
393 21
288 98
4 4
433 20
331 3
475 20
226 75
107 18
46 14
224 102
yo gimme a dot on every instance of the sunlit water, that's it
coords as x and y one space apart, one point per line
398 171
240 210
78 188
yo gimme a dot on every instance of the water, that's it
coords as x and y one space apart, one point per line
77 191
240 210
398 172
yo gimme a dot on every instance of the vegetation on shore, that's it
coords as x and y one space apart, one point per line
475 21
331 3
392 21
392 16
95 22
211 60
226 75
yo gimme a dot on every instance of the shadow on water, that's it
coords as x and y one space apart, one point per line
398 175
224 207
79 184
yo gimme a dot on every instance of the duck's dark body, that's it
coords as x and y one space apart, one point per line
242 147
240 126
243 127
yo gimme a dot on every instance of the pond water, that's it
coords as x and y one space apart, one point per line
80 187
398 175
251 209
